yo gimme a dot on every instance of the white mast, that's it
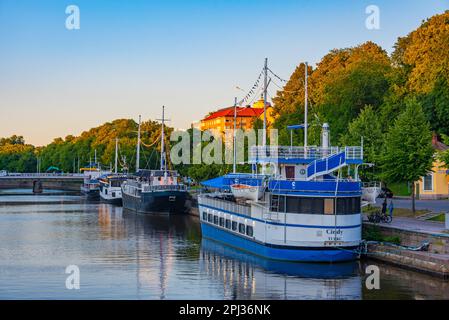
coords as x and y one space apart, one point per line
234 169
96 158
305 108
163 167
116 155
264 138
138 148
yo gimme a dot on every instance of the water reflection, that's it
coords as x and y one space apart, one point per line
123 255
245 276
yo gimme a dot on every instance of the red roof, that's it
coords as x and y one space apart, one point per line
241 112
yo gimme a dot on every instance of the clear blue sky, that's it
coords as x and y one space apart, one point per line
131 57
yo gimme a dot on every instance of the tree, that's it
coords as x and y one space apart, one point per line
368 126
408 152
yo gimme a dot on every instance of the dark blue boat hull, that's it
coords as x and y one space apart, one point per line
157 202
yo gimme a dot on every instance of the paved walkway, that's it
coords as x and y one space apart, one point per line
436 206
411 224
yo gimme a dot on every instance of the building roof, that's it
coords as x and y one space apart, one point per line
241 112
438 145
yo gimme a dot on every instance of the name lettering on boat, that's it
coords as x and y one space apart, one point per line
334 234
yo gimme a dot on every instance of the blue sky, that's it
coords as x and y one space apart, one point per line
132 57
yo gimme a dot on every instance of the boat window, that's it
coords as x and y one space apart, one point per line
277 203
249 231
234 225
105 191
221 222
228 224
348 205
242 228
209 217
113 194
305 205
215 219
204 216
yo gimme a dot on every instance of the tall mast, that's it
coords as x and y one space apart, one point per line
234 135
264 138
138 147
305 107
163 167
116 155
95 159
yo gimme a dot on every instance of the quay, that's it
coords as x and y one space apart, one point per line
413 233
52 181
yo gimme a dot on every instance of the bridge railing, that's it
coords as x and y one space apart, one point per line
42 175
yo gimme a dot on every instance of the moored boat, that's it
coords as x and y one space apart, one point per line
155 191
91 184
306 212
111 188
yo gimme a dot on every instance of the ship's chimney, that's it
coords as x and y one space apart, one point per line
325 136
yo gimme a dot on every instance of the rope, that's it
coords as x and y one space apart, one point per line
150 145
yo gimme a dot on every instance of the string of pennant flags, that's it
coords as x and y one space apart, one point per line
275 75
252 90
256 86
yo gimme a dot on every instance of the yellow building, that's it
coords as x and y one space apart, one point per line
436 184
224 118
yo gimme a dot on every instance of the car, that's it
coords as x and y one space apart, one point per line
386 193
3 173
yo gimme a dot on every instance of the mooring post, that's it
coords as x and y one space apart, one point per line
37 186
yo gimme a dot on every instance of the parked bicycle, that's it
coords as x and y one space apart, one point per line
378 216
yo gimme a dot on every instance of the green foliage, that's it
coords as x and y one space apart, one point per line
16 156
407 153
65 153
372 233
368 126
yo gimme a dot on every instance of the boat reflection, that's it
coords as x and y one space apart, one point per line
245 276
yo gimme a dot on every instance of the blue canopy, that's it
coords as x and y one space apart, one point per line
295 126
217 183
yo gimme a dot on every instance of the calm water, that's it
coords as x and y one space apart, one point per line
122 255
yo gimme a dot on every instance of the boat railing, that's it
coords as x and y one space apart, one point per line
225 205
170 187
372 184
298 152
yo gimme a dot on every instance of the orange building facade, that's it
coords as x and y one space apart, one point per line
223 119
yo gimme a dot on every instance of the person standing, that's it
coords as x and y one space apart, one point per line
384 206
391 208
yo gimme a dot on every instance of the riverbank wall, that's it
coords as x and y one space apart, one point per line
434 261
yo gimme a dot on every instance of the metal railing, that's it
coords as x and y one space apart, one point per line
312 152
224 205
55 175
174 187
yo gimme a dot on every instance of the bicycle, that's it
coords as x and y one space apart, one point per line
377 217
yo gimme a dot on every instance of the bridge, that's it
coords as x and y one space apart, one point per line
39 181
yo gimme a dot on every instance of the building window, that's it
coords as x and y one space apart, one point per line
428 182
241 228
249 231
234 225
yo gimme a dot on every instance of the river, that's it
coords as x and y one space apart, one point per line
122 255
